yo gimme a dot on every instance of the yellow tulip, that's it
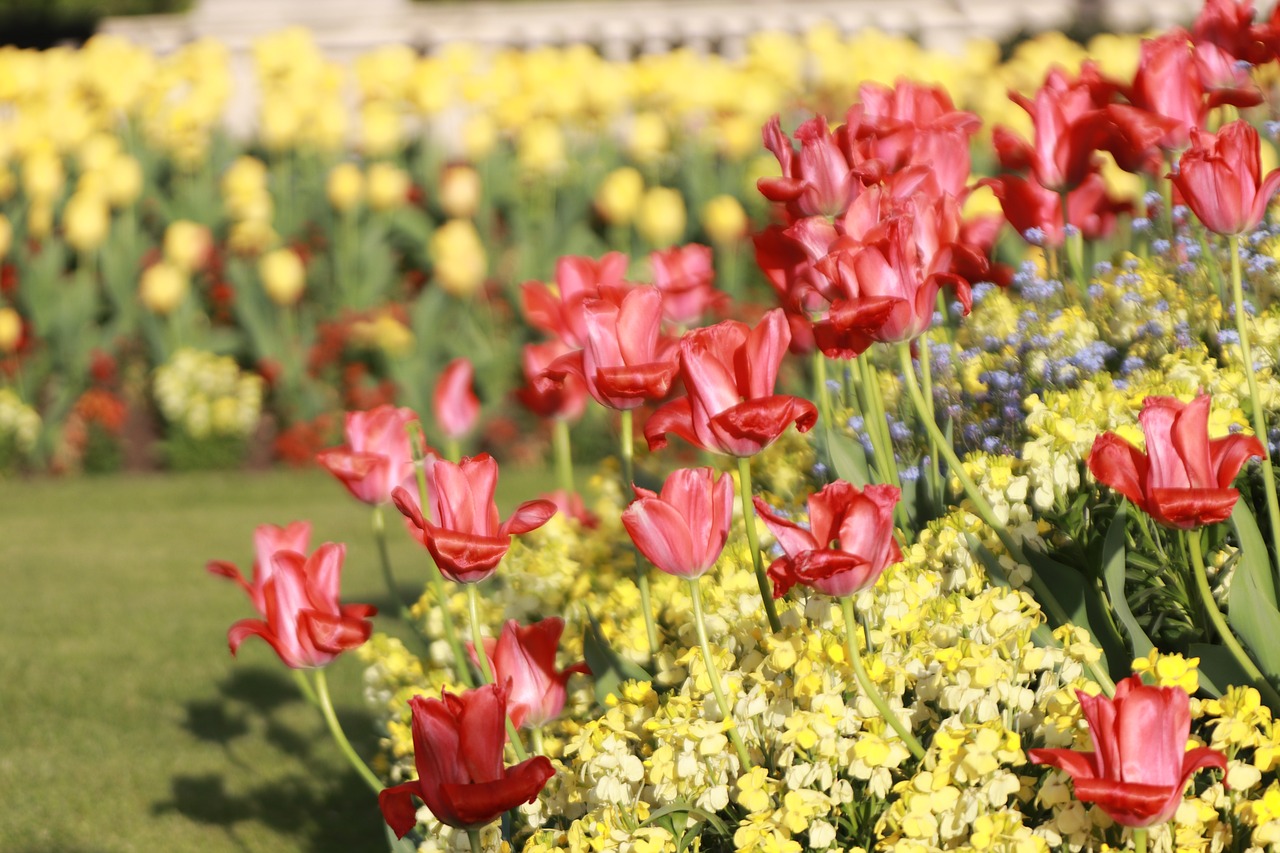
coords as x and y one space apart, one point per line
86 221
649 138
388 186
10 330
479 137
540 148
618 197
345 186
460 191
6 235
458 257
283 276
123 181
724 219
661 219
162 288
187 245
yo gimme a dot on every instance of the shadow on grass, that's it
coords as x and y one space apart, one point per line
327 808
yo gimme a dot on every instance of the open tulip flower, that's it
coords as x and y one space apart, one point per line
464 534
457 748
565 400
377 457
456 405
558 310
1140 763
729 371
1184 478
821 179
1220 179
525 655
267 540
683 529
847 545
685 276
303 620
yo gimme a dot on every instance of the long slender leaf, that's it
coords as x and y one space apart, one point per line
1084 606
1219 669
1252 611
608 668
1113 573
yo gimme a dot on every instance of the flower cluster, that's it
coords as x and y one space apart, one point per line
203 394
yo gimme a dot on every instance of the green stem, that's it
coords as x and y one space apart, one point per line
1192 540
452 450
1140 841
820 389
308 692
1255 400
563 454
335 729
869 688
1073 247
535 737
875 399
753 543
473 835
1215 269
477 642
1043 594
926 376
713 674
627 448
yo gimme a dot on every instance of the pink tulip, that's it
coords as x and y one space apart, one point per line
464 533
1140 763
821 179
377 457
859 523
525 655
456 405
729 371
558 310
685 278
267 540
683 529
1220 179
303 620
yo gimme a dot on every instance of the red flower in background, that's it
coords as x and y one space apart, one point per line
847 545
566 399
377 456
558 310
1140 764
821 178
267 540
525 657
1184 478
1028 206
729 372
464 533
683 529
686 279
302 618
455 403
457 749
1220 179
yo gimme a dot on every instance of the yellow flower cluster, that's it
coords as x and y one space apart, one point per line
207 395
19 425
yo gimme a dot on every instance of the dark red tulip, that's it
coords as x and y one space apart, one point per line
457 748
1184 478
525 657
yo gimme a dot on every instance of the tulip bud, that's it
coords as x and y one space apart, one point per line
649 137
187 245
123 181
10 330
86 221
39 218
6 235
619 194
724 219
388 186
246 177
540 148
345 186
460 191
42 175
380 129
163 287
661 218
283 276
479 137
458 257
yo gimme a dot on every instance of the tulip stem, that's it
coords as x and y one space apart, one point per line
477 643
1043 594
1140 840
473 835
1255 400
452 450
869 687
308 692
335 729
753 543
627 448
926 376
384 557
713 674
535 738
820 390
1073 249
1192 540
563 455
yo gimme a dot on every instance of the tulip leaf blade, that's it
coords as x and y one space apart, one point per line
685 810
608 668
1083 605
400 845
1042 635
1113 575
1251 608
1218 668
846 458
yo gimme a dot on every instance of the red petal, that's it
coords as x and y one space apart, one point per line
530 515
480 803
1118 464
398 809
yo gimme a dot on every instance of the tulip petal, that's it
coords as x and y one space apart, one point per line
482 733
397 807
1229 453
1116 463
1079 765
794 539
464 557
530 515
223 569
751 426
334 634
480 803
1188 508
676 418
781 573
662 535
1128 803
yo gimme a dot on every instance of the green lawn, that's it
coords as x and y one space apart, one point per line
125 724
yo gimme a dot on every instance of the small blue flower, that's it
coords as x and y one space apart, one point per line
1160 246
910 474
1034 236
1140 224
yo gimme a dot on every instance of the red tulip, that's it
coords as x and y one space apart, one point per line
303 620
524 656
1027 205
456 405
559 311
1228 25
729 371
683 530
859 523
1220 178
565 400
686 280
457 747
1067 119
267 540
908 103
1184 478
1140 764
377 456
821 179
625 361
464 534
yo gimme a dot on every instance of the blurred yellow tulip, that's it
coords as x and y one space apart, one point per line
345 186
284 278
187 245
618 197
388 186
460 191
661 219
86 221
162 288
458 258
10 330
724 220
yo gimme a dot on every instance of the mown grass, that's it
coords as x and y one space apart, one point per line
125 725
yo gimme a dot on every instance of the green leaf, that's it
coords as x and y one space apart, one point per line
1042 635
400 845
846 457
1252 611
1113 573
1219 669
608 668
680 807
1083 606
